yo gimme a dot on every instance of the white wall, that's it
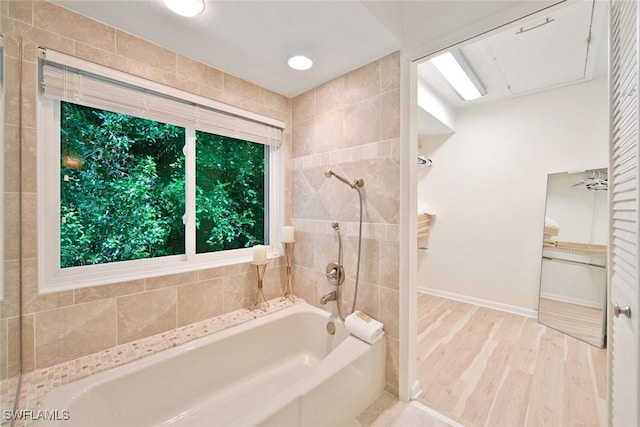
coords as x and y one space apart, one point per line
443 116
488 184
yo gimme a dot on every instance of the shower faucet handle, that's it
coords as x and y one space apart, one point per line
335 273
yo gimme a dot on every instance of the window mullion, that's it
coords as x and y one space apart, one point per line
190 193
274 175
49 190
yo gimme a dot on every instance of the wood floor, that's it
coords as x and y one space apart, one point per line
584 323
483 367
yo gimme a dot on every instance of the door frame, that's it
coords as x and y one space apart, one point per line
410 58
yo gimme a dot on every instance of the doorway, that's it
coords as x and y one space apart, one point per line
482 184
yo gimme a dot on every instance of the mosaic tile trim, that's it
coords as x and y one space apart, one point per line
8 389
37 383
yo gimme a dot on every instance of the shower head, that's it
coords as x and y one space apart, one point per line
356 182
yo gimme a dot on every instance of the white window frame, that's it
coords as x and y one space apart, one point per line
53 278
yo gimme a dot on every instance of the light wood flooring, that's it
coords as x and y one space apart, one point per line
584 323
483 367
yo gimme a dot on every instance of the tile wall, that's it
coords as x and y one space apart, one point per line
352 126
61 326
9 246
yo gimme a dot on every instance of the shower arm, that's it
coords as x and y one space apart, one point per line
356 182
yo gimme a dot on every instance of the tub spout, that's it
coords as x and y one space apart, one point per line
331 296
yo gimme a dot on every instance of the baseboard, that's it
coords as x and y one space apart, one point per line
435 414
571 300
416 391
513 309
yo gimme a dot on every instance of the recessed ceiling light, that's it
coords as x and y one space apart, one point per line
185 7
300 62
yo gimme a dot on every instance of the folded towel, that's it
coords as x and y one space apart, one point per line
549 222
364 327
424 208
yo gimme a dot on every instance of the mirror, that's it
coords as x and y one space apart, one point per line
573 279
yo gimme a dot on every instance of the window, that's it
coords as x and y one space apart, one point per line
230 193
148 180
122 187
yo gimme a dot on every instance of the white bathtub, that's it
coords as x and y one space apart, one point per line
282 369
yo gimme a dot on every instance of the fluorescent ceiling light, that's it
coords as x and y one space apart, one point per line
185 7
455 69
300 63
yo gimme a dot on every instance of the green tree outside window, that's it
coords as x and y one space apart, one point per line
122 193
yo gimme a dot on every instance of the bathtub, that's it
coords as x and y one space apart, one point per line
283 369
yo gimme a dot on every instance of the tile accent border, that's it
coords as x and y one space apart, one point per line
371 151
376 231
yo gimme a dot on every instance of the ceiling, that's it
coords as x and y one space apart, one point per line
252 39
549 51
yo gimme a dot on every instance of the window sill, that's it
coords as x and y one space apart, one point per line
77 280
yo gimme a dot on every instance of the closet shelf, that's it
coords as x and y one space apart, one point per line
423 229
550 230
577 253
586 248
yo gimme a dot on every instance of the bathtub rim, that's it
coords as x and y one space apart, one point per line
62 396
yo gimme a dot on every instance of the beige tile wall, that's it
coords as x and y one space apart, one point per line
351 125
10 295
65 325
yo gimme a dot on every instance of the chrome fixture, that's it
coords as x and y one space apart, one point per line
331 296
335 271
356 182
617 310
